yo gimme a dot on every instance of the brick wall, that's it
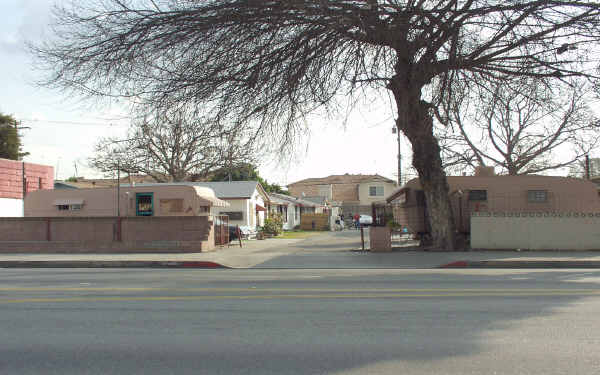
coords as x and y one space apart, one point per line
99 234
340 192
345 192
37 177
296 190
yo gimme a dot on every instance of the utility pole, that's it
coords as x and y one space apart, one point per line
118 189
587 166
397 131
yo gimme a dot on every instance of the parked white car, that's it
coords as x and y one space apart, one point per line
365 220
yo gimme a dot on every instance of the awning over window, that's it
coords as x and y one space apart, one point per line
209 195
67 202
260 208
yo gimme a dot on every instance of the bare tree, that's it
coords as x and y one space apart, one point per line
522 126
265 65
589 168
172 147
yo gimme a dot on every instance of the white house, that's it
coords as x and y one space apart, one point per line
290 208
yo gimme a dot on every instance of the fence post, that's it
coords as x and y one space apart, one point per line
48 235
119 228
362 237
374 214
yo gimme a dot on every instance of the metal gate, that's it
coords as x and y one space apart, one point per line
221 227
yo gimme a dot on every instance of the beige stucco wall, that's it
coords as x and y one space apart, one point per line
366 199
504 194
103 202
536 231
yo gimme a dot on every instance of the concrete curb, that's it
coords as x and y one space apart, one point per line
523 264
110 264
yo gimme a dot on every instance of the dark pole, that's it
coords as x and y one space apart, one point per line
24 179
587 167
362 238
399 159
118 190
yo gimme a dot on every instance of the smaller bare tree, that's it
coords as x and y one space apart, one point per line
522 126
171 147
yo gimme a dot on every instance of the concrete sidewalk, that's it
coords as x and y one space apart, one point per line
252 253
230 258
333 250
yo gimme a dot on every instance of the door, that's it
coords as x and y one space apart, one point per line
144 204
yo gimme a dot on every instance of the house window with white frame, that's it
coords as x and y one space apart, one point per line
375 191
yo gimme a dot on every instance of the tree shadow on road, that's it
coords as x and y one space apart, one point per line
313 336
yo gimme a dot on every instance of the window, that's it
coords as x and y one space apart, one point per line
75 207
376 191
295 212
204 210
537 196
63 207
144 204
478 195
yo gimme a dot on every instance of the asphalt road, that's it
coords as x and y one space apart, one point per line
299 321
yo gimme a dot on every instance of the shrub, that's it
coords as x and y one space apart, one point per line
273 225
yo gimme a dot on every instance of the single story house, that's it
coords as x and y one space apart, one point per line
247 200
290 209
493 193
154 200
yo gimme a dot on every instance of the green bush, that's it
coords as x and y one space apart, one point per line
390 222
273 225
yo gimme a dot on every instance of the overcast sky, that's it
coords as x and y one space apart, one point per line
64 130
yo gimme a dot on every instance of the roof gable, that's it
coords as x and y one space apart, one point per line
343 179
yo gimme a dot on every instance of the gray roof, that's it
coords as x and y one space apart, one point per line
280 198
233 189
316 199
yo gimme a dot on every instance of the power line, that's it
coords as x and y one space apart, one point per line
72 122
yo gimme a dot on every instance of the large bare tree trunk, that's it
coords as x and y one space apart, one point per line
414 119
